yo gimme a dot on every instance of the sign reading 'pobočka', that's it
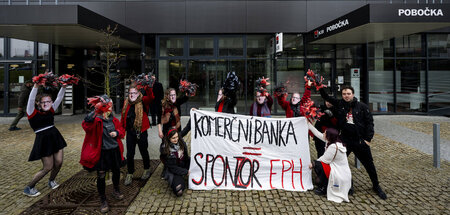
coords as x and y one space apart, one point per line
237 152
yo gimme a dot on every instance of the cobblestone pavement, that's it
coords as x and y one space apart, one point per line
413 186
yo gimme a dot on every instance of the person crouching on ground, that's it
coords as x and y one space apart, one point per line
135 121
102 148
333 172
49 143
176 160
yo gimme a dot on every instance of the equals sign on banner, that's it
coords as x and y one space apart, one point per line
253 151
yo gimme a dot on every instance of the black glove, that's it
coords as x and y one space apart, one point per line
90 117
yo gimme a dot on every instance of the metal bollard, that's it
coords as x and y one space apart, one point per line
436 146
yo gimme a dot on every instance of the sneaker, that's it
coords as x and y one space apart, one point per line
146 174
53 184
321 191
128 179
117 195
104 208
31 191
15 128
380 192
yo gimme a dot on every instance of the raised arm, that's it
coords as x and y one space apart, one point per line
316 132
282 102
148 98
31 100
328 98
59 98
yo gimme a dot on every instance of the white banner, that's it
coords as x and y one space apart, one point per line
237 152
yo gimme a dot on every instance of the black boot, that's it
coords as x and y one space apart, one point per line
321 191
380 192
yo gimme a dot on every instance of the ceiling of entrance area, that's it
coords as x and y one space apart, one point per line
378 32
75 36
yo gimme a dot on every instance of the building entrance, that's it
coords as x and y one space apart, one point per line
325 68
13 76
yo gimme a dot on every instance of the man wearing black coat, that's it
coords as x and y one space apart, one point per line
155 106
355 123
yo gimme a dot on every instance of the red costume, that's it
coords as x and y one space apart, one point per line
286 105
92 144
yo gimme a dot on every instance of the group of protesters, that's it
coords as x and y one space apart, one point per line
346 126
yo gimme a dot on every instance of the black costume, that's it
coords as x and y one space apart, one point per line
176 166
328 120
155 106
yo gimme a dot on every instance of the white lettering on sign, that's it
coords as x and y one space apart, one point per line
420 12
337 25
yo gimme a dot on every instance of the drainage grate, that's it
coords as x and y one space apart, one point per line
78 195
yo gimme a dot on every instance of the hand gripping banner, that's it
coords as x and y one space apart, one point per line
237 152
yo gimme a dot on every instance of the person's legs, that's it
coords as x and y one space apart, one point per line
57 164
143 149
19 116
47 163
178 185
101 186
321 180
131 149
116 181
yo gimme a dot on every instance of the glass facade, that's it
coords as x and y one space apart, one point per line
2 47
21 48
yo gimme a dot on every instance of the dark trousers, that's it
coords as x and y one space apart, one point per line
155 112
320 146
101 184
363 153
177 183
321 180
19 116
142 143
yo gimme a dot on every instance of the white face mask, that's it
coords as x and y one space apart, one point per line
133 95
260 98
295 99
46 103
173 96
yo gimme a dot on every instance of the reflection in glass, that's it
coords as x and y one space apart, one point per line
323 68
169 46
409 46
201 46
22 48
293 45
43 51
203 73
290 72
381 85
320 51
18 74
349 51
380 49
410 85
259 46
439 45
257 69
231 46
2 49
170 72
42 66
439 85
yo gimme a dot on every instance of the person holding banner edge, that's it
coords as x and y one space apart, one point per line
174 155
355 123
332 169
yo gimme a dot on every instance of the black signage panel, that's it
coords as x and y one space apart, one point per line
409 13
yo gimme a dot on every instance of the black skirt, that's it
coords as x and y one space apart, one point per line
109 159
47 142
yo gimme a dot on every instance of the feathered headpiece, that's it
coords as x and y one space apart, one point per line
310 111
316 78
67 79
231 83
261 85
281 90
188 87
47 79
102 104
144 80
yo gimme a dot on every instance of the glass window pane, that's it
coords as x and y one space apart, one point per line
293 45
439 45
2 86
18 74
320 51
409 46
439 85
381 86
238 66
201 46
290 72
349 51
22 48
2 49
380 49
42 66
43 51
169 46
410 85
259 46
231 46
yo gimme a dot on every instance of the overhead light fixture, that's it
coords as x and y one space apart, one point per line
14 66
70 66
43 65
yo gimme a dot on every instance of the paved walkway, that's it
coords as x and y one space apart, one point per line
413 186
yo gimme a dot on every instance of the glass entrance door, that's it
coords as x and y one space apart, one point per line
203 73
2 88
18 74
325 69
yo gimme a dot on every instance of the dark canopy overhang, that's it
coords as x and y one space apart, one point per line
380 22
67 25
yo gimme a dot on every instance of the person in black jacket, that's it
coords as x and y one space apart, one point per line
23 98
155 106
328 120
176 160
226 101
355 123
